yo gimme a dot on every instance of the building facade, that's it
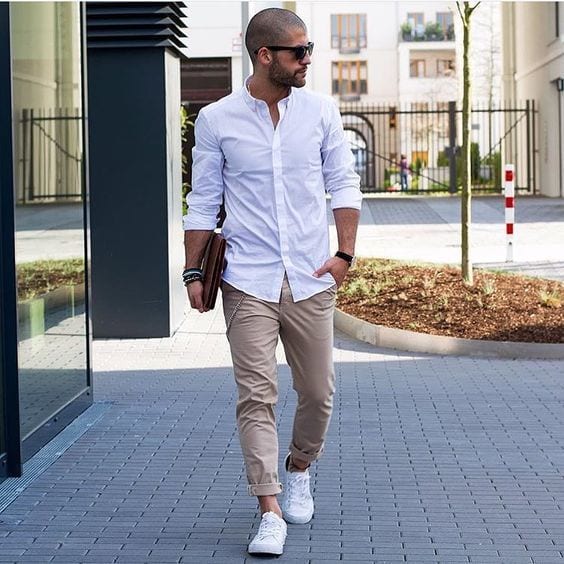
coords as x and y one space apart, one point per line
45 373
393 67
384 52
533 67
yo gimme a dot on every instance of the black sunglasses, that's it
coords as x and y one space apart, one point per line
300 51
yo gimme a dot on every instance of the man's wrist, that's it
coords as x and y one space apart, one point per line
346 257
190 275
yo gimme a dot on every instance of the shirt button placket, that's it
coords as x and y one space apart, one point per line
279 194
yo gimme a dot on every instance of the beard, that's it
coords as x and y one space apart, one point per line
280 76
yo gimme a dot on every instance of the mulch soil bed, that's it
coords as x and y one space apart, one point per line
434 299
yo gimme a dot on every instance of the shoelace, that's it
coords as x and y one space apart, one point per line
269 527
298 489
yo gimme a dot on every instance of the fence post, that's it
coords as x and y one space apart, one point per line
528 150
509 183
31 186
452 188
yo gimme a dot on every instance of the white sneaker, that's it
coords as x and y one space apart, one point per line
297 506
271 535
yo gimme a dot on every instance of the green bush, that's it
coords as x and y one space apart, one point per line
442 159
494 160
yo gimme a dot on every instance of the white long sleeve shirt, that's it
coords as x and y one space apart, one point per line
273 181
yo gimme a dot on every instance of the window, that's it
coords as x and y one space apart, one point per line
415 18
392 120
348 31
445 20
557 18
421 156
445 67
417 68
349 78
417 22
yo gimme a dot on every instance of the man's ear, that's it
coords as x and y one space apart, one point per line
264 56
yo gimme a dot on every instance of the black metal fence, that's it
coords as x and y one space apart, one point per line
49 148
429 135
49 155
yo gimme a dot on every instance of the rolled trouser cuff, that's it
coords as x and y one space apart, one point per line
264 489
306 457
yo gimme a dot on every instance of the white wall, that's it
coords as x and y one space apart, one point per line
214 27
380 53
214 30
538 61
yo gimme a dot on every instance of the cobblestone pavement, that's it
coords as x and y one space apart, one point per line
428 229
428 459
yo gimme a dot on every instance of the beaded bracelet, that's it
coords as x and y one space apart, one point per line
192 275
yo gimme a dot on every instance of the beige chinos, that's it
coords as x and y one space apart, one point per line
306 331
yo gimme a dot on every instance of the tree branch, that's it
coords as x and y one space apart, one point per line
472 8
460 13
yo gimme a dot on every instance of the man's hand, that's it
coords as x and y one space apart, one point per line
196 296
337 267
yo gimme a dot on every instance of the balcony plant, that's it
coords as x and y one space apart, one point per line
433 31
450 32
406 31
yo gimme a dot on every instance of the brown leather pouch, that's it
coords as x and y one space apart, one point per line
212 267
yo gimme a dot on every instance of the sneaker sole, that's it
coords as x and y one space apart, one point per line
297 520
273 552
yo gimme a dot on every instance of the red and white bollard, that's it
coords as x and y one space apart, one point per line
509 176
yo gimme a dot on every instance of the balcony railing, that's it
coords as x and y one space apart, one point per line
430 32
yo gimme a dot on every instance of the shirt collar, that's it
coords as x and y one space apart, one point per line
254 103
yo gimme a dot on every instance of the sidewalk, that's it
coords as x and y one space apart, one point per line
428 229
428 459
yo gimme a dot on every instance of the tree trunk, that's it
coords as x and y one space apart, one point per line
466 172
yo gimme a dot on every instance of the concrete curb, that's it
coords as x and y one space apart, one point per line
64 296
410 341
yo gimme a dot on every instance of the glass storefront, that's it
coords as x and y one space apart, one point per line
50 250
2 419
50 244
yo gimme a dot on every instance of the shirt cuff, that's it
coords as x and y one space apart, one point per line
196 222
347 198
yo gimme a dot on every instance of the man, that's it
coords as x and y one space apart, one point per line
404 169
271 151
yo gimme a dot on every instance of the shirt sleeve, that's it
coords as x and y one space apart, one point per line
341 180
204 200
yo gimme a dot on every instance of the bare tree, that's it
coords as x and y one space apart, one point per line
465 11
486 57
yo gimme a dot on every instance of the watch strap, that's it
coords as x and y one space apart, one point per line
345 256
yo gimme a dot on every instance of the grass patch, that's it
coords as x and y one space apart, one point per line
41 276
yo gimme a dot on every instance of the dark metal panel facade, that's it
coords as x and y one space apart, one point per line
8 295
137 25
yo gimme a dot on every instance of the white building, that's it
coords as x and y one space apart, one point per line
397 55
533 67
362 48
382 52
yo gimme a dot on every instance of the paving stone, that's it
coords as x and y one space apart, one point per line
427 459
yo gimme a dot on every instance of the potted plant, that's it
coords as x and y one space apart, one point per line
433 31
406 31
450 32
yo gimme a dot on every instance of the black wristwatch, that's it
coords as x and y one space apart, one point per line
345 256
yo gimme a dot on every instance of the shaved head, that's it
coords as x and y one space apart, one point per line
270 27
